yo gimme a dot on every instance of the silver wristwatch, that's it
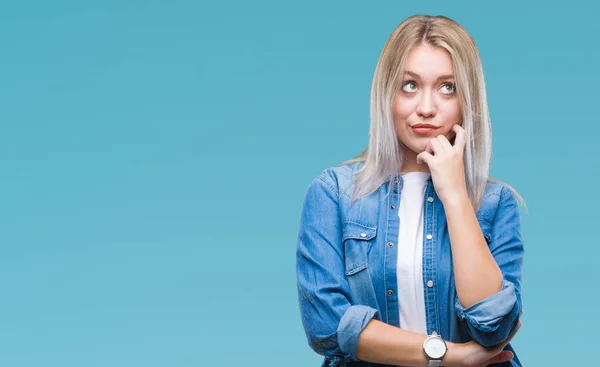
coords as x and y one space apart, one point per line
435 348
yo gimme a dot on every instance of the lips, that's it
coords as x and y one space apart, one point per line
427 126
424 129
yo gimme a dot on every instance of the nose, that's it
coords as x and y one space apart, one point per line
426 106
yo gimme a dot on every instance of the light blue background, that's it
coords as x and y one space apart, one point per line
154 156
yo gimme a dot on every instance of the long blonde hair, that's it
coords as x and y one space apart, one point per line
383 157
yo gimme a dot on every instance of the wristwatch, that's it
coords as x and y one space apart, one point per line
435 348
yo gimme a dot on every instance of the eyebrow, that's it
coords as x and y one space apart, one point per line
441 77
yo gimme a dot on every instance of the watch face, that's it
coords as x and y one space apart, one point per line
435 348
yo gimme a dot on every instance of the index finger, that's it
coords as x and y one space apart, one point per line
461 137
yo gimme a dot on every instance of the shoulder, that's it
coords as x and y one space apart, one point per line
498 196
500 190
339 178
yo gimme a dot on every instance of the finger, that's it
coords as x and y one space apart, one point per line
451 136
461 137
424 157
429 149
500 358
437 146
504 356
445 143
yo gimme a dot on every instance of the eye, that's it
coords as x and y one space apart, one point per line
409 86
449 88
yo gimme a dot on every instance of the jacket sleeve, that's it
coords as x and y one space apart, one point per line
493 319
332 325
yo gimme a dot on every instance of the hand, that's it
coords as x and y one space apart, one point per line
472 354
445 163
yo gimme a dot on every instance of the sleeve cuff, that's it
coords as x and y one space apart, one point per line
352 323
491 320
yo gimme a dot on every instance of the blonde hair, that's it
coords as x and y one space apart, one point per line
383 157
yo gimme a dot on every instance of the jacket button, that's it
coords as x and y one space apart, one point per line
429 236
390 292
430 283
392 207
363 235
430 199
390 244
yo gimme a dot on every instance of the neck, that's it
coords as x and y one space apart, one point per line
410 163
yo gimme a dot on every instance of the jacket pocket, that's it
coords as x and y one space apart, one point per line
357 239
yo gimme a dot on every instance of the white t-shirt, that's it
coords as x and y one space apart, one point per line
410 253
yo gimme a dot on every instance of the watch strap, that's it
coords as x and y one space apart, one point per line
434 363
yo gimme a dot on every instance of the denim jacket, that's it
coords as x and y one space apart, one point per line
346 266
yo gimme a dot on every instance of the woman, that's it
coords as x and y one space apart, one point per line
410 254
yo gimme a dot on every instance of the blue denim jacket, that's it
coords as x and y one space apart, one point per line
346 266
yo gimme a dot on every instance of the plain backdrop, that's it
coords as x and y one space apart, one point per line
154 156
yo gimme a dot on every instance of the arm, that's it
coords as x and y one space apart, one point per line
332 325
386 344
487 276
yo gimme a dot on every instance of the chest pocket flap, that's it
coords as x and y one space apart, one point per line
357 238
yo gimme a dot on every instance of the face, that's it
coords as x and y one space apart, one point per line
427 96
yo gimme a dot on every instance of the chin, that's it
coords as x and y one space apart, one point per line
417 146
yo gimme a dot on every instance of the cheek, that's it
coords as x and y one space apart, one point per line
452 111
402 109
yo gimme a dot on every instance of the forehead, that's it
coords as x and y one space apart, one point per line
429 62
